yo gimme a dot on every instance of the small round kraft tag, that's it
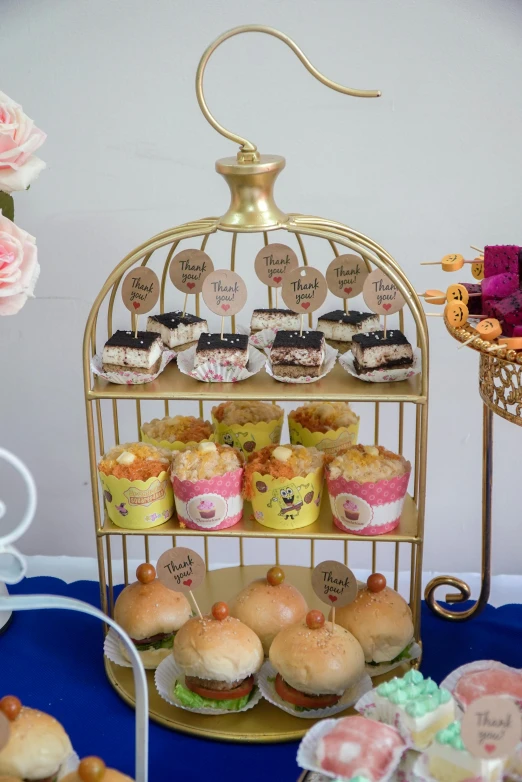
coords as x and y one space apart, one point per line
345 276
304 289
334 583
273 262
382 295
491 727
181 569
188 270
224 292
140 290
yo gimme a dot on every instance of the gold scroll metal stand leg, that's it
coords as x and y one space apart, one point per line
464 591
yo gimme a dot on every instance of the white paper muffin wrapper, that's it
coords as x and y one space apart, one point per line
212 372
165 678
383 375
69 765
348 699
451 680
111 649
328 364
415 653
307 752
127 377
403 773
261 339
513 769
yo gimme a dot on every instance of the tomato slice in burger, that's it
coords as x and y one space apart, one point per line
224 695
297 698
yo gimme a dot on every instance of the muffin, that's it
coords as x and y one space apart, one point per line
136 486
207 479
177 432
327 426
248 426
284 484
367 485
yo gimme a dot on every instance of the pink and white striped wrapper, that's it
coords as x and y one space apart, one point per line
209 504
367 508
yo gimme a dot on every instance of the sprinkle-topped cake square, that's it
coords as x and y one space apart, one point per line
297 355
229 349
339 327
177 330
450 761
274 319
373 350
125 351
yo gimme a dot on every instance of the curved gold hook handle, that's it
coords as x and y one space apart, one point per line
246 145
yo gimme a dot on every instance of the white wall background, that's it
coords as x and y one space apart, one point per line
430 167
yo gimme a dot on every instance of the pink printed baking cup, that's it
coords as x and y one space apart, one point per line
213 504
367 508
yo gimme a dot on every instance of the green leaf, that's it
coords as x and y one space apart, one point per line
195 701
165 643
7 205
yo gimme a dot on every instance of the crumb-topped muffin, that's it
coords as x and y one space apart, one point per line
323 416
205 461
180 428
365 463
281 461
246 412
135 461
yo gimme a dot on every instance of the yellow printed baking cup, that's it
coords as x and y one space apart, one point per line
177 445
248 437
331 442
287 503
138 504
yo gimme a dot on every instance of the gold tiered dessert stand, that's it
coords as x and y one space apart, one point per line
111 409
500 388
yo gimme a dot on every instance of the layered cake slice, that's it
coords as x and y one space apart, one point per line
229 350
297 355
339 327
274 319
375 351
177 330
124 351
449 760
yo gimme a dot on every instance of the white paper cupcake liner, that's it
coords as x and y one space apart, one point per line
307 752
261 339
415 653
403 773
111 649
165 678
69 765
451 680
348 699
513 770
420 771
383 375
328 364
212 372
127 377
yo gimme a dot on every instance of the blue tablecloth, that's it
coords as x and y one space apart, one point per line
52 661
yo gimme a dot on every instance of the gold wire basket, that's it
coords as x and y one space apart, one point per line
401 407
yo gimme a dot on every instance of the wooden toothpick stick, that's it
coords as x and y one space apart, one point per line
384 333
136 329
333 609
346 305
222 325
301 329
467 342
276 306
185 305
477 249
195 603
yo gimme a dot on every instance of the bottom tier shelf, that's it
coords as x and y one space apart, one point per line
264 723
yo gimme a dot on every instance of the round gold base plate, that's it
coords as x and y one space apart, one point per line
262 724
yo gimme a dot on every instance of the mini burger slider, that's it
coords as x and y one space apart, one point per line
316 663
381 621
219 656
269 604
151 614
93 769
37 745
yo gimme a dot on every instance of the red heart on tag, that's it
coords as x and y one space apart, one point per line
188 582
348 290
386 307
277 279
225 307
136 305
191 285
305 305
490 747
332 598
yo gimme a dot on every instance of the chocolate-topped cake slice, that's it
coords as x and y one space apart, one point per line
177 330
274 319
339 327
373 350
229 349
124 351
297 355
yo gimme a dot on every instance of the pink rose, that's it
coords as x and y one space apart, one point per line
19 268
19 138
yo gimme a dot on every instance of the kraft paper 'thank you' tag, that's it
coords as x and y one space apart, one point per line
304 289
140 290
273 262
491 727
345 276
381 294
224 292
181 569
188 270
334 583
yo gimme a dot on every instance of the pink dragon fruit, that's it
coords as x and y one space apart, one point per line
501 258
475 302
499 285
510 309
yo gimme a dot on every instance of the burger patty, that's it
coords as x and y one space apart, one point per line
52 778
212 684
152 640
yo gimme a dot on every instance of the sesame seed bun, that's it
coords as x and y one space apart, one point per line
268 609
37 746
146 610
110 775
317 662
381 622
223 650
